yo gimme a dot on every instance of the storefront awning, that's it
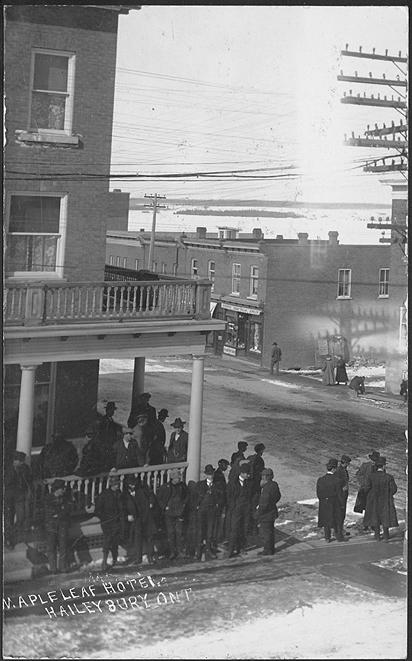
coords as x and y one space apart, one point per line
241 308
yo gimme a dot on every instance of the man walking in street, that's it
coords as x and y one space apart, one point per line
275 358
328 491
342 475
380 509
267 511
239 507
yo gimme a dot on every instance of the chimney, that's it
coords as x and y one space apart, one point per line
279 237
257 233
333 238
303 238
201 232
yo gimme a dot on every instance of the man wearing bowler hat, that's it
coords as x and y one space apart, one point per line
239 495
109 431
342 475
210 500
328 491
177 450
173 500
267 511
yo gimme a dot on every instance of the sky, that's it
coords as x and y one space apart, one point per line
231 88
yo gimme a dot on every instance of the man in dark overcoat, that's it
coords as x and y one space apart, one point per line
128 454
173 498
108 430
109 509
210 500
239 496
328 491
57 511
134 514
362 475
177 450
343 477
236 459
219 478
380 508
157 447
98 455
267 511
17 490
58 458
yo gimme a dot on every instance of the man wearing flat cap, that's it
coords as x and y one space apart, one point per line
329 492
362 475
57 511
267 511
342 475
380 508
17 490
210 499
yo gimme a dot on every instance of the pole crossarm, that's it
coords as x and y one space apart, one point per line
375 56
372 81
373 101
394 167
366 142
387 130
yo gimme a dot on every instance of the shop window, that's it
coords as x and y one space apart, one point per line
211 273
383 283
52 87
254 279
236 270
255 337
36 234
344 283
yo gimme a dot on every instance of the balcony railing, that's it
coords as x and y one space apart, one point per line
31 304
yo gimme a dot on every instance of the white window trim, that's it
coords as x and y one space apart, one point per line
118 260
349 295
136 264
237 278
61 241
384 268
68 115
211 273
193 267
125 262
111 260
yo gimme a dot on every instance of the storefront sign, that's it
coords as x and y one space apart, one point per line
229 350
241 308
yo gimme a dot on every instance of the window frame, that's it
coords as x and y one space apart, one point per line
111 260
124 262
236 278
69 94
254 281
61 236
383 282
136 264
117 261
211 272
194 269
348 284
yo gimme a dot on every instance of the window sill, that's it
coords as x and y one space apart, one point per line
253 297
235 293
344 298
48 138
383 295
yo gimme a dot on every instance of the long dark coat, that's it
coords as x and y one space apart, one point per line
328 490
267 510
178 447
380 508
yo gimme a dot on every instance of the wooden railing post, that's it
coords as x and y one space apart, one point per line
34 309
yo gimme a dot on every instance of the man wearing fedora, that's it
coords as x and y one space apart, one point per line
108 430
210 501
177 450
239 495
267 511
141 405
362 475
342 475
109 509
157 447
329 492
380 510
127 451
173 500
57 511
17 490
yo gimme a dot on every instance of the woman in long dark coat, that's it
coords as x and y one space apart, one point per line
341 373
380 509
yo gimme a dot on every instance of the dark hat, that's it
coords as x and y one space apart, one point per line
374 455
114 479
223 462
58 484
132 483
178 423
89 431
381 461
164 412
346 459
145 395
244 467
259 447
209 470
19 456
242 445
267 472
332 463
111 405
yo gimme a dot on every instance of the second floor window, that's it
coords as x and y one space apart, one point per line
235 278
124 262
384 283
344 283
163 267
194 267
136 264
111 260
52 91
118 261
36 232
211 273
254 279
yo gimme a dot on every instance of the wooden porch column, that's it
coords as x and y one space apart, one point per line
26 410
138 378
195 420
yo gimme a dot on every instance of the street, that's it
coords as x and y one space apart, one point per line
276 607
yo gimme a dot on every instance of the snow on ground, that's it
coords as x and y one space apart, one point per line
367 629
283 384
110 366
374 374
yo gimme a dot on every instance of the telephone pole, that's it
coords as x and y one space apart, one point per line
155 206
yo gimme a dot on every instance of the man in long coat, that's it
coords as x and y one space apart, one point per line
177 450
362 475
109 509
328 491
157 447
380 509
267 511
343 476
239 496
173 499
210 500
57 511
